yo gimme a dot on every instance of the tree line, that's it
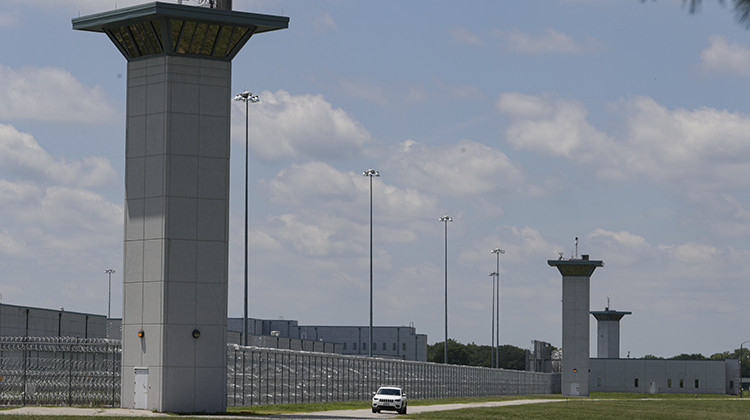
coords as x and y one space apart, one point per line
743 357
511 357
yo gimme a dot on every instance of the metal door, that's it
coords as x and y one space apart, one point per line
140 397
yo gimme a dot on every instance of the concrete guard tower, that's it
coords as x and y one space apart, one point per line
608 333
176 197
576 278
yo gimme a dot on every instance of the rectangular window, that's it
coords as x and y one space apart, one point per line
394 347
364 345
403 347
344 346
731 384
682 383
636 382
374 347
383 346
669 383
599 381
696 383
354 346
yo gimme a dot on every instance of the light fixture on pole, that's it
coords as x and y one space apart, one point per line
445 219
109 272
370 173
247 97
493 361
498 251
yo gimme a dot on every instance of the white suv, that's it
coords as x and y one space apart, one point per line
389 398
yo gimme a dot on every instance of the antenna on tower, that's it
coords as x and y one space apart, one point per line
607 308
576 254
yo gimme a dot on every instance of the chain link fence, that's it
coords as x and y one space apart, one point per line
270 376
59 371
86 372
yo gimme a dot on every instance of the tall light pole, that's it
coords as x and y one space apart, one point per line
743 343
492 351
247 97
445 219
370 173
498 251
109 272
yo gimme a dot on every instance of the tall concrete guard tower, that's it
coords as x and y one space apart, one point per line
576 278
608 332
176 197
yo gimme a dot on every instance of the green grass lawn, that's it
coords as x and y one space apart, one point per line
353 405
584 409
598 406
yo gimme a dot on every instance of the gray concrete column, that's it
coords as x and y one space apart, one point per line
608 333
576 278
174 333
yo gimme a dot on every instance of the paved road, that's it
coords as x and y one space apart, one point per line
320 415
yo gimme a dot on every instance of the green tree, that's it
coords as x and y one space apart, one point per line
685 356
512 357
741 10
472 354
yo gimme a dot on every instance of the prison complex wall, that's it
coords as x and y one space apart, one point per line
75 371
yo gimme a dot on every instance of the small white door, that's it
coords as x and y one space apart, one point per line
575 389
652 388
140 396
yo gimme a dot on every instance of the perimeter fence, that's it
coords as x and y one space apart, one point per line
86 372
59 371
270 376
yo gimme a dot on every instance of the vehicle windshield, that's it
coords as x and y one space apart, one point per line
389 391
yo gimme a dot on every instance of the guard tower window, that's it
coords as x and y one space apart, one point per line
636 382
354 345
682 383
669 383
394 347
696 383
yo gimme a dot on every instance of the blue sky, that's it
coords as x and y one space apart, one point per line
623 123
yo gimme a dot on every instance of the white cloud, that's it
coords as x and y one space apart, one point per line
466 37
723 56
311 238
691 253
57 223
300 184
7 19
704 147
325 21
466 168
299 126
347 194
697 150
22 156
549 42
622 238
51 94
363 90
621 248
550 125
